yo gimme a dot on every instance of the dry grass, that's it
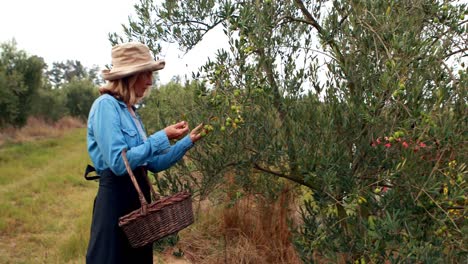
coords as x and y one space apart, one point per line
254 230
257 231
203 241
37 128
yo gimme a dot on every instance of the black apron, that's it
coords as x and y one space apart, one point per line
116 197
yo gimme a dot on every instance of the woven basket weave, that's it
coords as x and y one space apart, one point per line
157 220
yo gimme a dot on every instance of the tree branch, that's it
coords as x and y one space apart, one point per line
194 22
191 27
452 77
281 175
437 38
342 20
309 49
311 20
455 52
294 19
442 209
389 56
328 39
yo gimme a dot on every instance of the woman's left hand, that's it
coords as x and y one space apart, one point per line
177 130
196 133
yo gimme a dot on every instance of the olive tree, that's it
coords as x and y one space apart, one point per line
363 103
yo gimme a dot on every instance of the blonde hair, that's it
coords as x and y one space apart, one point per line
124 89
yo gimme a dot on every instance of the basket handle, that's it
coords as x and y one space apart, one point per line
144 203
155 194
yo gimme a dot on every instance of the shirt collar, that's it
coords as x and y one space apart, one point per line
122 103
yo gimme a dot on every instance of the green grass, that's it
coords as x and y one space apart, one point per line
45 203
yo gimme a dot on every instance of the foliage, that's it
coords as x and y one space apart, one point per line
49 104
79 96
64 72
75 88
20 80
28 89
362 102
159 110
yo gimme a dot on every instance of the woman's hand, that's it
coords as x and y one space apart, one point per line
195 134
176 131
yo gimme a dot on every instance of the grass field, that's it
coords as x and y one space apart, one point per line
45 203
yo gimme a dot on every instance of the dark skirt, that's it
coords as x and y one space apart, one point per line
116 197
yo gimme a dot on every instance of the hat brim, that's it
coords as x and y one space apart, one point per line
118 73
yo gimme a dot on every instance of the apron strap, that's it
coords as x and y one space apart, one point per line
88 170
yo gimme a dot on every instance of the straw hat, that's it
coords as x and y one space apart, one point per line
130 58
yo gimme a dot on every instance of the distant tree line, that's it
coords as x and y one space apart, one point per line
30 87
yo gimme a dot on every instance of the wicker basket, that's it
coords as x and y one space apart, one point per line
157 220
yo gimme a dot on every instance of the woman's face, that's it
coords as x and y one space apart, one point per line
143 82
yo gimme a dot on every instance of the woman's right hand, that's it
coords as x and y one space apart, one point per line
177 130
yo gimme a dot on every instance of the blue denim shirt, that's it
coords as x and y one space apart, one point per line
111 128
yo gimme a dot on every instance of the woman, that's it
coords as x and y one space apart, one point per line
113 126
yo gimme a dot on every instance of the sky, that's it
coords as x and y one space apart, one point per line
60 30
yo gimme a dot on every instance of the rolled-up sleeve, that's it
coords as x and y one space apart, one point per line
175 153
111 141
